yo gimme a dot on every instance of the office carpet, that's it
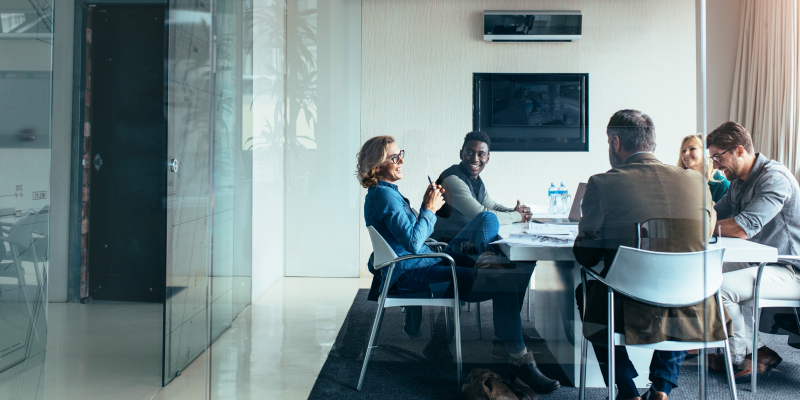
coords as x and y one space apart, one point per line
400 369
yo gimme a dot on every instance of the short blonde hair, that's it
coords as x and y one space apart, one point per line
373 153
710 171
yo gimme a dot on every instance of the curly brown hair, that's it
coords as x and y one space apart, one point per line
370 157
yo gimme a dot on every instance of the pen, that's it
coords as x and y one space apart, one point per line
429 179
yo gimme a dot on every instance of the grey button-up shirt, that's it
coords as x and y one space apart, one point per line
766 206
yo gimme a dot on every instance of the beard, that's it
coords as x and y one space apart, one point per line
613 158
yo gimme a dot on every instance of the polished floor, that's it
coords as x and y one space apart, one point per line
275 349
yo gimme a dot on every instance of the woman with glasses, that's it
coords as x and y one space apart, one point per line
379 168
692 157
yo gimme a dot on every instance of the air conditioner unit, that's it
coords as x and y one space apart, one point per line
531 26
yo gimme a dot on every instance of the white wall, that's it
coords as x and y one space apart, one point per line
61 152
722 40
417 64
322 137
269 53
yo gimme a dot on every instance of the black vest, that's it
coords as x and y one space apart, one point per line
449 221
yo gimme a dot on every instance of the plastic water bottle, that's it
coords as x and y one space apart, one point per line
566 200
552 200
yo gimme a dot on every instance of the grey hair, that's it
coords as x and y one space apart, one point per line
634 129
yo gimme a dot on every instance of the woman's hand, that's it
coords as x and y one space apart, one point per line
433 199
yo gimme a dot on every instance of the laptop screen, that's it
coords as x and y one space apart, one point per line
575 211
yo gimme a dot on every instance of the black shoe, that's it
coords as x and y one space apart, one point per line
499 347
525 369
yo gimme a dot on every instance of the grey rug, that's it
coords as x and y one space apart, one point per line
399 369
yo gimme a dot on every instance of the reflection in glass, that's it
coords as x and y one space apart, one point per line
25 82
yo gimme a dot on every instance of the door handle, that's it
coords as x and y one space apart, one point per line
173 165
98 162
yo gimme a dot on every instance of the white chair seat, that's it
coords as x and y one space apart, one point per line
407 302
619 340
762 303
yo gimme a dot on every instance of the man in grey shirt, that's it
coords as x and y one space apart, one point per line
761 205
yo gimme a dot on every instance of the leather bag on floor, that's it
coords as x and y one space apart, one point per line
483 384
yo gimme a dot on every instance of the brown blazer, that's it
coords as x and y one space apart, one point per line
640 189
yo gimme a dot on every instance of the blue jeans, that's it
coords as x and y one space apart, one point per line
481 231
665 365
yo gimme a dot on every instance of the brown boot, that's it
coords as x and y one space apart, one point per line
767 359
654 395
716 362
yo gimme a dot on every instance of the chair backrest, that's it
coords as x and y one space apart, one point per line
667 279
670 234
382 251
20 233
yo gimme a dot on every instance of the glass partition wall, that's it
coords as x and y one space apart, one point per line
307 105
26 42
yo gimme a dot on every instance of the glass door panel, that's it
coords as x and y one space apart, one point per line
188 187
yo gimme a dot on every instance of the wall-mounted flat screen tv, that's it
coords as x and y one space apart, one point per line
532 112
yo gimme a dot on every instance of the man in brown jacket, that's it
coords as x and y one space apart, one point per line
639 188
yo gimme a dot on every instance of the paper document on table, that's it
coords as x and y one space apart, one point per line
551 229
537 240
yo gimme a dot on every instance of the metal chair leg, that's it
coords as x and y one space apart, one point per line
582 389
756 318
456 316
702 383
478 319
528 295
585 344
754 361
796 318
371 343
611 345
726 350
729 371
447 323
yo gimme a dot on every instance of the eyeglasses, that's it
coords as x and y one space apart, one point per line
471 153
395 159
716 157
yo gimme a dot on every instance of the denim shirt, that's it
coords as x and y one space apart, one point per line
386 210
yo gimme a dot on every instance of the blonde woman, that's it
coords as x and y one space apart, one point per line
379 168
692 157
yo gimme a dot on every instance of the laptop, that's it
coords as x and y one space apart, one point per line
574 212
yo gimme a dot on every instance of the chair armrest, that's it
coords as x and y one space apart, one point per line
443 256
415 256
594 275
435 243
788 258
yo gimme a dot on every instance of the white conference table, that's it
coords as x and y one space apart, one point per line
557 275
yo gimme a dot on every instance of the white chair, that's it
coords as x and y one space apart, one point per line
438 246
761 301
386 257
643 276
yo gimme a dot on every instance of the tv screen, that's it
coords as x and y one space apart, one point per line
532 112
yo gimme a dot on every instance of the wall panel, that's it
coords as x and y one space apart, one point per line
417 64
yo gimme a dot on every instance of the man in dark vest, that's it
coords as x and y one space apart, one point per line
465 195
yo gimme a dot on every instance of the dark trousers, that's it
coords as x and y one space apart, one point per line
664 365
